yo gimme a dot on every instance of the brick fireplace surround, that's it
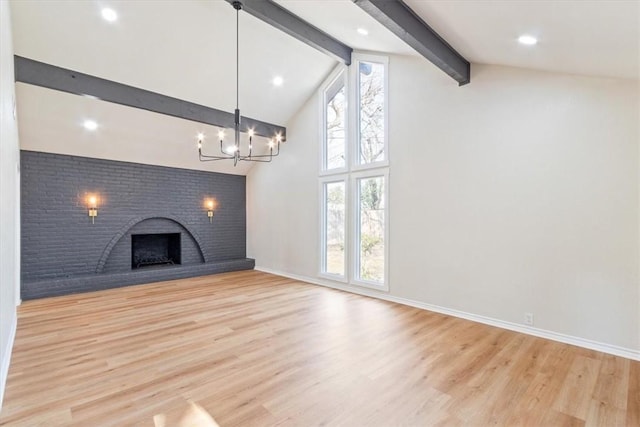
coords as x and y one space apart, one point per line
63 252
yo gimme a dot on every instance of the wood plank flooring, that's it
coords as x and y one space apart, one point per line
255 349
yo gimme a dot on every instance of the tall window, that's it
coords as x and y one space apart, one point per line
355 174
371 112
335 124
370 229
334 228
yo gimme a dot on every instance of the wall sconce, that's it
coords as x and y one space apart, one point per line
92 202
211 205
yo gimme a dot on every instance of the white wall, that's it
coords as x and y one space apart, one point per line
282 201
517 193
9 195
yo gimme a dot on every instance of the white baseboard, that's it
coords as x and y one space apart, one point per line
529 330
4 368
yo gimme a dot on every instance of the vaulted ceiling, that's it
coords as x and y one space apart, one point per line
588 37
186 49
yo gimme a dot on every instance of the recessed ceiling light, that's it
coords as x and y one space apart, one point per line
363 31
109 15
527 40
90 125
277 81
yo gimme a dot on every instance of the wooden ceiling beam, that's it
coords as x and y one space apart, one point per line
57 78
401 20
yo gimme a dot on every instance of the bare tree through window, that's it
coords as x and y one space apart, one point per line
335 227
371 201
371 113
371 222
336 112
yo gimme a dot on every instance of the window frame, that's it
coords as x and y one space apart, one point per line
352 172
354 111
341 71
344 178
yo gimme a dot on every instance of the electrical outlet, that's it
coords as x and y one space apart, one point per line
528 319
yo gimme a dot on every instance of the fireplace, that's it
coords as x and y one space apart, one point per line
149 250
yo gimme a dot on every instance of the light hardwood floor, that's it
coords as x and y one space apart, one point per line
255 349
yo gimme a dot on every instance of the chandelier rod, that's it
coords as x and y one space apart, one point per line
236 153
238 57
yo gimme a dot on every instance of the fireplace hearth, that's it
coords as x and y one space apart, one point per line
148 250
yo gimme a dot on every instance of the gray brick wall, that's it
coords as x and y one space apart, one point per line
59 241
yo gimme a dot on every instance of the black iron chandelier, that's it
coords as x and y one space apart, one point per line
233 152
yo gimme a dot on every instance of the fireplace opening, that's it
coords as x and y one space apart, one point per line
149 250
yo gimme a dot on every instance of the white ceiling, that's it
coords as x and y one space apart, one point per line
342 18
186 49
589 37
599 38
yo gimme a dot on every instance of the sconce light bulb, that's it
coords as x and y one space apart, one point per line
211 204
92 201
